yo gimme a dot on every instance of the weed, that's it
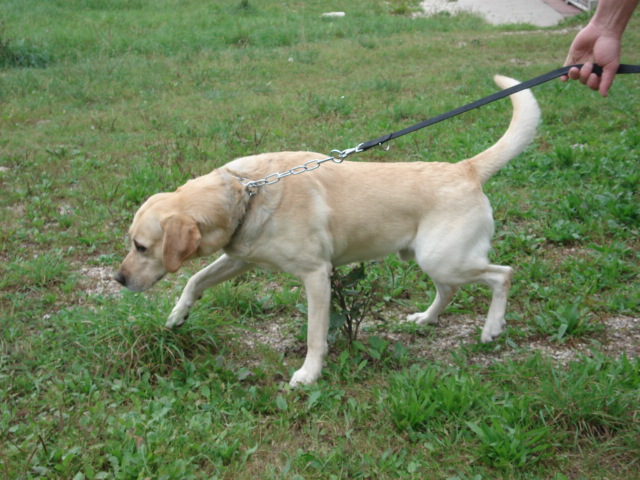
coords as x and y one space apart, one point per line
568 320
353 297
19 54
43 271
422 399
595 397
506 447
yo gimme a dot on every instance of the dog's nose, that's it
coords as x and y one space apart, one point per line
121 279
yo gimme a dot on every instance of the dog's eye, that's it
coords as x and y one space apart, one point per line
140 248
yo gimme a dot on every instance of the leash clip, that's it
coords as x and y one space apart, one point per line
342 154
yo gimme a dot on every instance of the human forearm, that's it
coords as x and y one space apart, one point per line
613 15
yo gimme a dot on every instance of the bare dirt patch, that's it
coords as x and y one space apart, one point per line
98 280
433 342
460 332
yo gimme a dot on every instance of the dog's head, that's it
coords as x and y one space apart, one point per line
196 220
162 239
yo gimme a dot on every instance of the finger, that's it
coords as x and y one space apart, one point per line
608 74
585 72
604 87
574 73
593 82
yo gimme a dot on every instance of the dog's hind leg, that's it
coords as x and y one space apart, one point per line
222 269
449 269
499 279
318 287
444 294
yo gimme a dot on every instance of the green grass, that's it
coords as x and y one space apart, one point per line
105 102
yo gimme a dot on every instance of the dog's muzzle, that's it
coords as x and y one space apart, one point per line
121 279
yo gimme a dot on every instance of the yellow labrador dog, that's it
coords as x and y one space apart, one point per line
308 224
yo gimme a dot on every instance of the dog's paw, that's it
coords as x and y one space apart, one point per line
303 377
421 318
177 317
492 331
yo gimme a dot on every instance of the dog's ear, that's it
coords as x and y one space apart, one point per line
181 240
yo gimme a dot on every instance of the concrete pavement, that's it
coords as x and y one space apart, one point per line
542 13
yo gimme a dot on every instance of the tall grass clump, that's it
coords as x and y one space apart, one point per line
19 53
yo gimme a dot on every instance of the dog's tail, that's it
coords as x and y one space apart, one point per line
521 131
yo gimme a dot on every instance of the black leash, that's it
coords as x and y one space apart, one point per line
483 101
338 156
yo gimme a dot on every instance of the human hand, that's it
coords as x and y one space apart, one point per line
594 45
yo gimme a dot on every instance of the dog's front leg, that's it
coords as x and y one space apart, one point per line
318 287
222 269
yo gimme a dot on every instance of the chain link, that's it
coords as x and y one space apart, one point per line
336 156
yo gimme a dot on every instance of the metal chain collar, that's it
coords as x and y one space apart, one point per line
336 156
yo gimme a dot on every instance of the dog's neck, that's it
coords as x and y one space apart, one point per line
218 207
243 198
255 211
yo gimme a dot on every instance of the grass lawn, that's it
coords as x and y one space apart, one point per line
105 102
